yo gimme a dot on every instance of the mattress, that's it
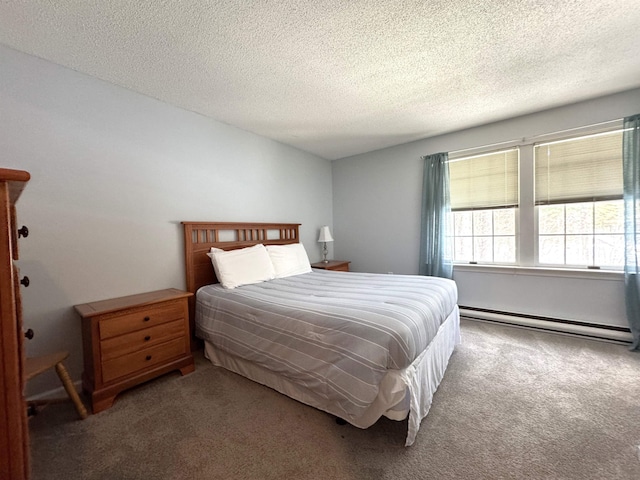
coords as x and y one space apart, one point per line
352 344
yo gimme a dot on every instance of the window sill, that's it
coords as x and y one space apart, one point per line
617 275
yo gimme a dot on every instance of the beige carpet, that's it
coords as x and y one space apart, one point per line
513 404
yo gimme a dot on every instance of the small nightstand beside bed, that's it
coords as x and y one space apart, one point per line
356 345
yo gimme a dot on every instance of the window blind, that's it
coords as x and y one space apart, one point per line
579 170
484 181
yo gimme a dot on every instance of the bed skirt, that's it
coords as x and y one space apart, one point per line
402 392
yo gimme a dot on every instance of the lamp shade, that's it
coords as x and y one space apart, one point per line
325 235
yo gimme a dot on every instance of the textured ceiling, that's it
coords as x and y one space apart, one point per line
338 78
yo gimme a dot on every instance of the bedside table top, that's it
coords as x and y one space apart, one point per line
114 304
330 264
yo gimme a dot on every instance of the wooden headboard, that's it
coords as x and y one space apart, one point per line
199 237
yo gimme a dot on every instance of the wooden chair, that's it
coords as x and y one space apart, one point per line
37 365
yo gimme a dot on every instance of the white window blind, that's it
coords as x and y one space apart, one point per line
580 169
484 181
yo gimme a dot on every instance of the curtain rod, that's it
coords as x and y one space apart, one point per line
528 140
488 146
587 127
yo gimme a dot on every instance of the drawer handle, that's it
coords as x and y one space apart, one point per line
147 338
148 357
146 319
23 232
29 334
25 281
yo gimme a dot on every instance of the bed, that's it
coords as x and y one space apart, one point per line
356 345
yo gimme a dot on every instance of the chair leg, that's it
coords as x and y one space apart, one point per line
68 386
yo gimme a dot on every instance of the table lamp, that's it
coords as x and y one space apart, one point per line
325 236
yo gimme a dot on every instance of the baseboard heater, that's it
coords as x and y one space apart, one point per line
608 333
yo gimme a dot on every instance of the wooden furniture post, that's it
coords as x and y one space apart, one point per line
14 433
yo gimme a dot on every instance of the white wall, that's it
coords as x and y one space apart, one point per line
113 174
376 198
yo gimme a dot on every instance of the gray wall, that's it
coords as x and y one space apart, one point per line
376 202
113 174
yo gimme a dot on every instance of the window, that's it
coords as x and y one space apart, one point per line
578 193
556 203
487 236
582 234
484 200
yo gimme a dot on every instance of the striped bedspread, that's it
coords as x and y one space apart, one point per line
336 333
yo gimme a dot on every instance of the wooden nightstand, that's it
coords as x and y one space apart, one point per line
337 265
129 340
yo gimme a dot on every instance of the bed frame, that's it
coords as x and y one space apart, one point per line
199 237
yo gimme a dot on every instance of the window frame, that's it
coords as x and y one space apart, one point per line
526 218
597 131
461 155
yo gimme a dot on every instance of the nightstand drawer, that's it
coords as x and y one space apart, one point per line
139 318
136 361
131 342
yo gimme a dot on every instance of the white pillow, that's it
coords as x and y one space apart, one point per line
210 255
242 267
289 260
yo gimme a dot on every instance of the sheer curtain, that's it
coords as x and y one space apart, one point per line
435 243
631 174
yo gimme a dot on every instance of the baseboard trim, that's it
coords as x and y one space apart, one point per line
608 333
54 393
